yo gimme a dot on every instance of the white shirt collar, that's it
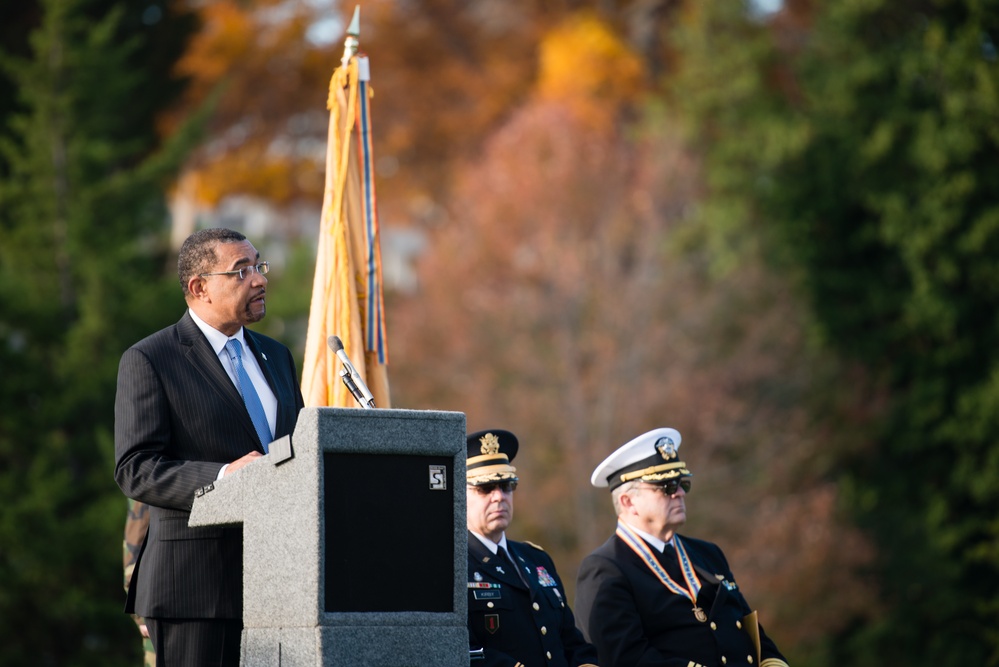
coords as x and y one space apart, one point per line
216 338
651 539
489 544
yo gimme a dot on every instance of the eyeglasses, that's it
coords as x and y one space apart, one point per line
486 489
261 268
669 488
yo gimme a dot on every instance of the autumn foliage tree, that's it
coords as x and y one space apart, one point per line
451 71
568 300
268 81
605 188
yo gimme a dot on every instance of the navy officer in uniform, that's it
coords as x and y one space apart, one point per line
651 597
518 614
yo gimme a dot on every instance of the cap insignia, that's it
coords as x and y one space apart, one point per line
490 444
666 448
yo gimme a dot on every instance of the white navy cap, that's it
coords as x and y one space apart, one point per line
652 457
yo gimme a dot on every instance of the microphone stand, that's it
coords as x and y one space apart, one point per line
348 380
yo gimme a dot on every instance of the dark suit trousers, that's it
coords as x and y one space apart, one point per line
182 642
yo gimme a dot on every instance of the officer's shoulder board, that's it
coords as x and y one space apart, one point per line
533 545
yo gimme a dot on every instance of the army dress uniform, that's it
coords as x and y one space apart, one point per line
518 615
529 619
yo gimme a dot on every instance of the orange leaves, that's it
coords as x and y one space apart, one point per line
226 38
585 65
252 169
263 140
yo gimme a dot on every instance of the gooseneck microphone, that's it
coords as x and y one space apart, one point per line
349 375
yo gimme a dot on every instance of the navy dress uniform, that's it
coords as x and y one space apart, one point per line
678 607
518 614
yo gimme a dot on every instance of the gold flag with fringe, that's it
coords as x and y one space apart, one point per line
347 289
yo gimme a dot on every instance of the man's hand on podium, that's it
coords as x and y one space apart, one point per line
242 461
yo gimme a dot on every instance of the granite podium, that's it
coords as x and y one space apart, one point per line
354 541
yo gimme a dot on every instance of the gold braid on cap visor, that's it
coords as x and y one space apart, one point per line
495 473
488 457
658 473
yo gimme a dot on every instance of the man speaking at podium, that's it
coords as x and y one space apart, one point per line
197 401
518 613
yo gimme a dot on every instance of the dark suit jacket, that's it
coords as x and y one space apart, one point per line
633 619
517 624
178 419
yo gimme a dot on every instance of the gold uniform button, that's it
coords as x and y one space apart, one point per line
724 660
549 654
490 605
738 624
536 607
713 626
749 659
544 630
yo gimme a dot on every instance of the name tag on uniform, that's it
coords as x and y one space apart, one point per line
492 594
484 590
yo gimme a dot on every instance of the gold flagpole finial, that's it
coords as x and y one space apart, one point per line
353 32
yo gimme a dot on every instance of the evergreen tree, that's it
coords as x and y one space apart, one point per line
859 140
83 274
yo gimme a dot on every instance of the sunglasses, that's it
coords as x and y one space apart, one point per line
487 489
670 487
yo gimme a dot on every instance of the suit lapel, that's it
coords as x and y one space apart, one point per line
203 358
286 414
262 360
520 563
491 564
712 593
706 575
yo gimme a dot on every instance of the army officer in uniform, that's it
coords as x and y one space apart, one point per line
518 614
651 597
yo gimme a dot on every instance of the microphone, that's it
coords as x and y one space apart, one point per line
349 375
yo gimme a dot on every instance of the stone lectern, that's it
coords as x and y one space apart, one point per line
354 541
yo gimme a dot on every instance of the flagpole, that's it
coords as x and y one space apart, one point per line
352 42
347 301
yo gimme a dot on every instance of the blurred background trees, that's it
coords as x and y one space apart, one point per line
82 275
869 159
769 225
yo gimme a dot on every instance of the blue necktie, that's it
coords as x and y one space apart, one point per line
250 398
